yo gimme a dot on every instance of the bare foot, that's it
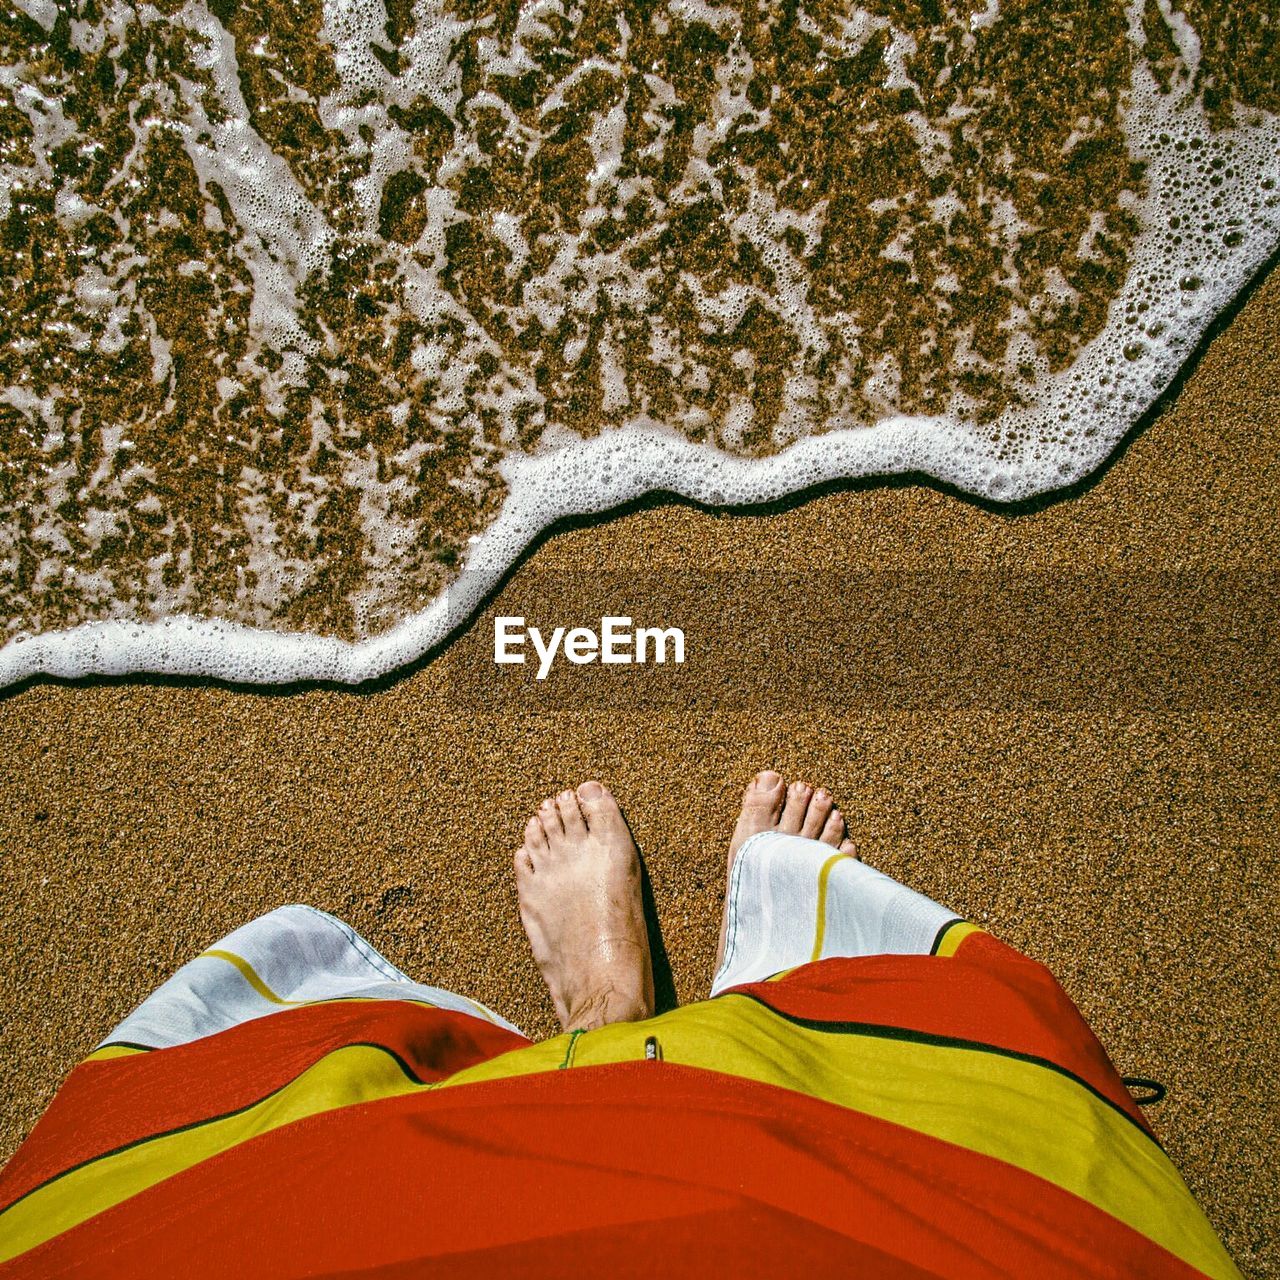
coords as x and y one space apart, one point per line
798 810
578 880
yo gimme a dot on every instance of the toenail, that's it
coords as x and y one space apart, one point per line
590 789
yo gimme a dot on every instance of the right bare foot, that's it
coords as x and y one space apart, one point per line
796 810
578 880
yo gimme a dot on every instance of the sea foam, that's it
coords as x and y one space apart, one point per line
343 316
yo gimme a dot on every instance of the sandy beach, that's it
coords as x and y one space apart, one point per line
1060 722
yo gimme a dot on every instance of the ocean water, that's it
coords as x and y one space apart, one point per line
316 313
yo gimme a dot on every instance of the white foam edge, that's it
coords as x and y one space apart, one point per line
591 476
618 467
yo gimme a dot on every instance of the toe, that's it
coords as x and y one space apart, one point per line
535 838
816 815
833 829
846 846
600 809
549 820
765 792
761 808
535 845
794 808
571 815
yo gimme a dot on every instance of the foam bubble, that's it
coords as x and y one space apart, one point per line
441 284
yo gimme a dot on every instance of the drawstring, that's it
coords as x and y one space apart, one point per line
570 1047
1155 1090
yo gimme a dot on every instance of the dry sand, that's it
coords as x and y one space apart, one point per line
1060 722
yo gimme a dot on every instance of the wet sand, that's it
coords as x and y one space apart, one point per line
1107 805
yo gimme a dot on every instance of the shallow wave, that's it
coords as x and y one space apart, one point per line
318 316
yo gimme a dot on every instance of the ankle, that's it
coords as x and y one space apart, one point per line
600 1008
